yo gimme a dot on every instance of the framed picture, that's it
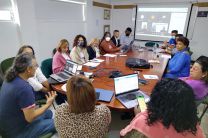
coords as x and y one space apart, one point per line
106 28
106 14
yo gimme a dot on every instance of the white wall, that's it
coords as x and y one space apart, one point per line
199 36
43 23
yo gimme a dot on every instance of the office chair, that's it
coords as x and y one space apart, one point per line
46 67
204 101
6 64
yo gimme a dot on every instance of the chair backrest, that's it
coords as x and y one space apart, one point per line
151 44
46 67
6 64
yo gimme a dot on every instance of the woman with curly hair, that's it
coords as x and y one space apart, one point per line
79 52
171 112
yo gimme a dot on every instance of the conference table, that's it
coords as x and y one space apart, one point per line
102 71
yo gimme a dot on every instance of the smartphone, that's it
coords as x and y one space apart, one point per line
142 103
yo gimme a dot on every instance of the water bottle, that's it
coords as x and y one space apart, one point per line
155 51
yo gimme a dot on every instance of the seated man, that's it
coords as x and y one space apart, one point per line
126 38
115 38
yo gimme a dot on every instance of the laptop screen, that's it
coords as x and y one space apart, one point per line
70 67
126 83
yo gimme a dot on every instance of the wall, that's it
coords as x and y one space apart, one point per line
44 22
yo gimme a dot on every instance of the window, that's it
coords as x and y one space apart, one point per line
5 15
155 22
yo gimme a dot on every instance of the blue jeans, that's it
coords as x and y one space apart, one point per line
40 126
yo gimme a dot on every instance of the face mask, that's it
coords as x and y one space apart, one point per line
107 38
173 37
80 43
127 34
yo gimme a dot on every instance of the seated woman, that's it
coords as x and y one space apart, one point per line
171 112
106 45
198 78
60 57
38 82
19 116
93 50
79 52
80 117
179 64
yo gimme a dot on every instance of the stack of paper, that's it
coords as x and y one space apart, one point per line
154 61
91 64
151 77
110 55
96 60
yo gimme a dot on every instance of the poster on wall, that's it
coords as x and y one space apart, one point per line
106 14
106 28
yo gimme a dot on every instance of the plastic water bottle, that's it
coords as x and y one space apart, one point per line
155 51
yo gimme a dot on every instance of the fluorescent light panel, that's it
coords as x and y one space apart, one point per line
72 1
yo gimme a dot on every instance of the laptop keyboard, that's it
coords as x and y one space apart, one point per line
63 76
128 97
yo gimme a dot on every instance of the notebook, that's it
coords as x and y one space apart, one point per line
70 69
127 90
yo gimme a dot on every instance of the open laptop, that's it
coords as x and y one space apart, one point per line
126 48
70 69
103 95
127 90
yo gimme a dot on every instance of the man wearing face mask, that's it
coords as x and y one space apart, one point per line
79 52
126 38
106 45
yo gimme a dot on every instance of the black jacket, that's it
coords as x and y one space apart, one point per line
113 39
91 52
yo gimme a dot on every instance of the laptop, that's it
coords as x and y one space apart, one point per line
126 48
103 95
127 90
70 69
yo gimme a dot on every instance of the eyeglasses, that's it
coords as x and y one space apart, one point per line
35 66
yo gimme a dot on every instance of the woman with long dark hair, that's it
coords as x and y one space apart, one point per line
171 112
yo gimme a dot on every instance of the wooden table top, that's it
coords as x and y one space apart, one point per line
102 80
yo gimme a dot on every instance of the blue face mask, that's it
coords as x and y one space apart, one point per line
80 44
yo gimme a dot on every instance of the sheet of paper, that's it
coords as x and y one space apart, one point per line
91 64
79 67
96 60
165 56
153 77
122 55
154 61
63 87
110 55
